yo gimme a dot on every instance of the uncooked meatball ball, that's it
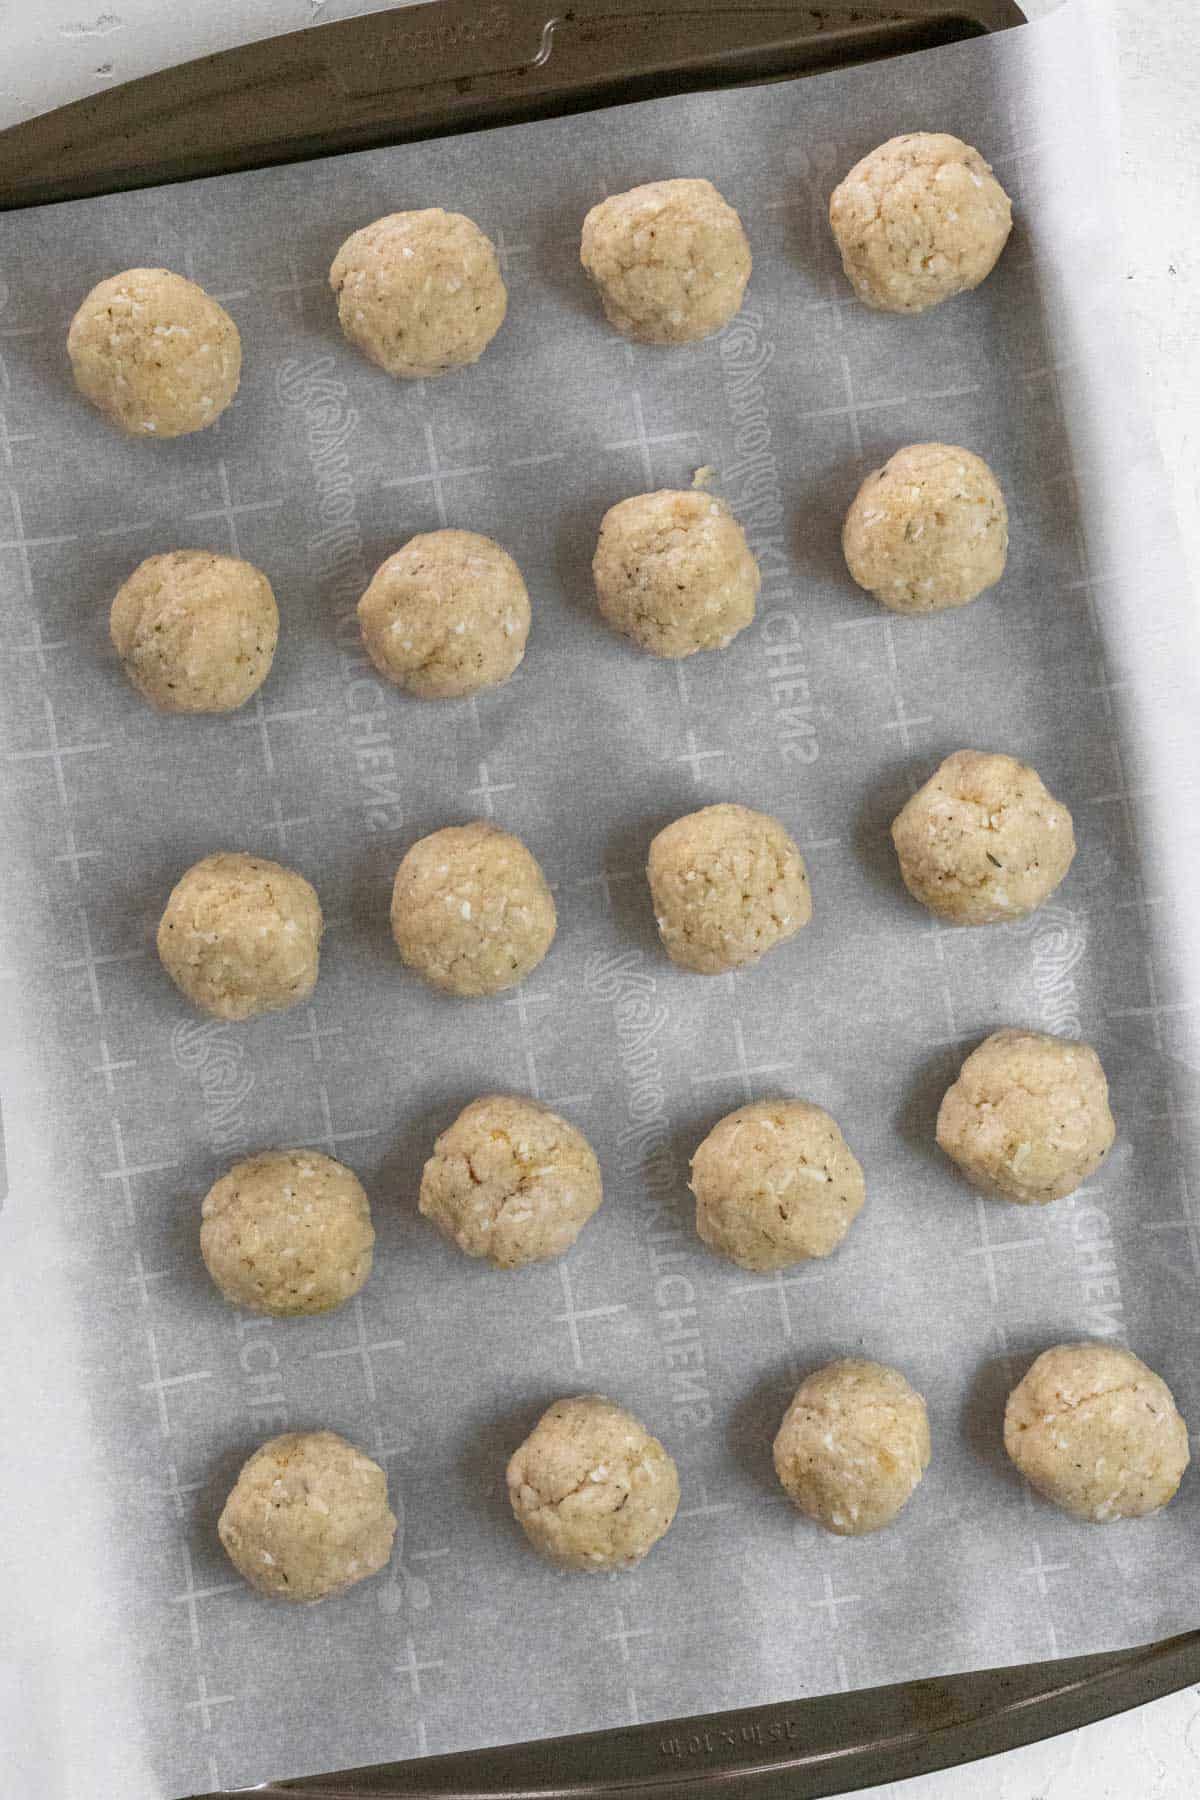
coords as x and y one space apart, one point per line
155 353
446 616
928 531
1097 1432
471 909
287 1232
1028 1118
308 1517
590 1488
728 884
775 1183
196 633
853 1446
983 841
419 293
511 1181
241 935
673 571
670 259
920 219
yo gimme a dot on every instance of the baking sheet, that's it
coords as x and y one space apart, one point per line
130 1656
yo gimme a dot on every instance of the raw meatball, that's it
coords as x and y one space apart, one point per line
419 292
853 1446
983 841
920 219
1096 1431
670 259
728 884
511 1181
287 1232
1028 1117
446 615
590 1487
471 910
928 531
775 1183
241 935
196 633
308 1517
155 353
673 571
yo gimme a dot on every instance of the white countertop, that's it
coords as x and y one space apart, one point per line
61 49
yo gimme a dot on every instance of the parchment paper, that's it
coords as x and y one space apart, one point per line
131 1658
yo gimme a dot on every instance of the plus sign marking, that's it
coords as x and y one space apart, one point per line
127 1172
38 646
851 408
573 1316
162 1385
436 475
142 1277
8 437
988 1249
55 752
1186 1222
1156 1010
92 963
742 1071
606 882
505 251
230 511
191 1593
297 288
260 720
779 1284
312 1035
829 1601
644 442
279 826
694 757
20 541
624 1634
328 1138
413 1667
1040 1570
206 1701
487 789
362 1348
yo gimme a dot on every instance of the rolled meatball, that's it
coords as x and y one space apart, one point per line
674 573
1028 1118
154 353
727 884
928 531
288 1233
448 615
670 259
590 1488
308 1517
241 935
471 910
512 1181
853 1446
196 633
920 219
419 293
984 841
775 1184
1097 1432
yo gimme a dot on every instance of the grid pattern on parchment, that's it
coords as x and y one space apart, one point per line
827 713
